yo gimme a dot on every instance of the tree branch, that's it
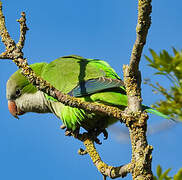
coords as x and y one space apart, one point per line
106 170
23 30
5 37
141 151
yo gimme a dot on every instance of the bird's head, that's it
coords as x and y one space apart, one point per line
20 92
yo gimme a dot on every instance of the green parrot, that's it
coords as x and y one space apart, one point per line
90 80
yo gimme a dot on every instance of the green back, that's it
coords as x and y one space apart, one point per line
66 72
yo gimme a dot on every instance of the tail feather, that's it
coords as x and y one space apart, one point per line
154 111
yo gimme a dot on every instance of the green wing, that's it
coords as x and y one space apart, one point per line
86 79
68 72
95 85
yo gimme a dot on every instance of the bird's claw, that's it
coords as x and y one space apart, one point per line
94 133
97 141
82 151
63 126
105 133
69 132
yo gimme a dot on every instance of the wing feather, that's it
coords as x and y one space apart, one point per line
95 85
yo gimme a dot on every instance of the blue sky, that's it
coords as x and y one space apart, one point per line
34 147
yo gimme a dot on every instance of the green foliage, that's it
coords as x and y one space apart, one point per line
171 68
178 176
164 175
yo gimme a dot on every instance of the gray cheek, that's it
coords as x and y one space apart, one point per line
21 103
32 103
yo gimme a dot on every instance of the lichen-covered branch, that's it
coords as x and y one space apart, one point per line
141 151
23 30
131 73
143 25
106 170
5 37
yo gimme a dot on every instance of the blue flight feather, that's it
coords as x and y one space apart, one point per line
95 85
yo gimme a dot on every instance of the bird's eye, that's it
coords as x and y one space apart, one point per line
18 92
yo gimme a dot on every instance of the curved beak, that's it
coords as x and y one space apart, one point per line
13 109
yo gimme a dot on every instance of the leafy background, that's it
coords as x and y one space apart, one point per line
34 147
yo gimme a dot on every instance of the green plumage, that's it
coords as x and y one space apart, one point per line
68 72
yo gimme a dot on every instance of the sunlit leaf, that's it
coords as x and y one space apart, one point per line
178 176
159 170
175 51
160 73
170 67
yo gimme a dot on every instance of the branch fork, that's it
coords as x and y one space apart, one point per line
103 168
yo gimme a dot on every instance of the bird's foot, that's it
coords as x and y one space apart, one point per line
94 133
69 132
76 132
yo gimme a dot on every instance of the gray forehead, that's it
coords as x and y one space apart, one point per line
10 88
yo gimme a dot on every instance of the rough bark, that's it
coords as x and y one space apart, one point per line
141 151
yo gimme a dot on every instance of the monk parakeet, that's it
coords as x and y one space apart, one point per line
91 80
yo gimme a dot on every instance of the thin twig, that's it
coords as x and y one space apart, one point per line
23 30
6 39
143 25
